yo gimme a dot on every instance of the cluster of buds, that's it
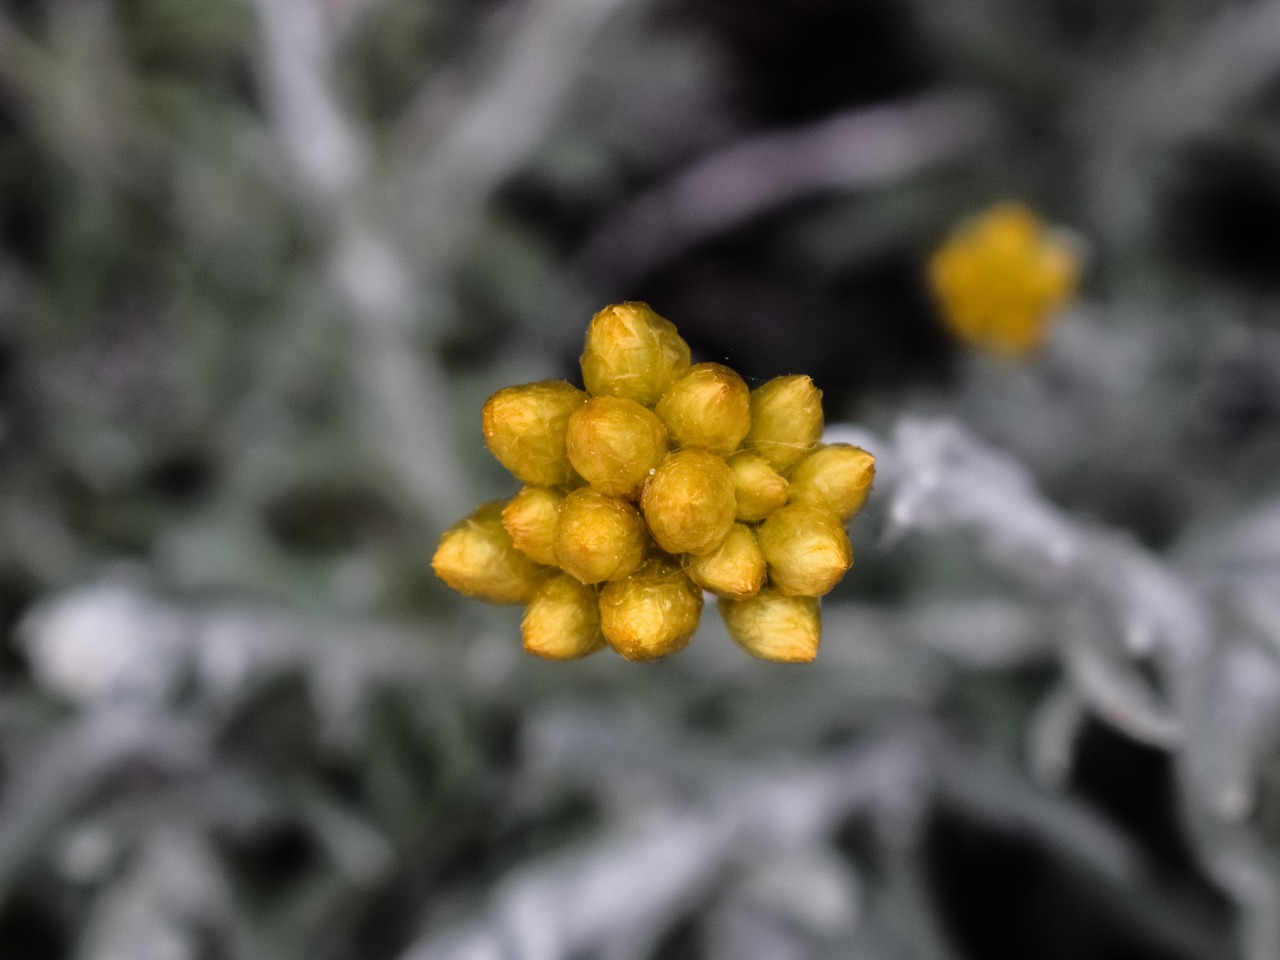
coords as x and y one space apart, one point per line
1001 277
661 480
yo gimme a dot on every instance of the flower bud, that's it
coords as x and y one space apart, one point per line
477 558
524 427
735 569
530 518
598 537
774 626
632 352
806 548
709 407
758 488
562 621
652 613
615 443
836 476
1001 277
786 420
688 502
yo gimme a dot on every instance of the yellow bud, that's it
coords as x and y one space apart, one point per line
758 487
709 407
735 569
562 621
615 443
806 548
632 352
530 518
774 626
688 502
477 558
836 476
1001 277
598 537
786 420
524 427
652 613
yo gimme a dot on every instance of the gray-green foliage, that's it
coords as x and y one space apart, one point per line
256 279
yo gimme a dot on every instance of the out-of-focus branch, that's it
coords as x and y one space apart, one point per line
858 149
1219 706
407 399
458 162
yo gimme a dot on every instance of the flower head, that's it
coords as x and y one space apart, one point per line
658 482
1001 277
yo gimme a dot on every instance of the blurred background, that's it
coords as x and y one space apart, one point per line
261 261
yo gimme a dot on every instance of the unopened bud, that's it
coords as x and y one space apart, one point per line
806 548
477 557
758 488
786 420
632 352
524 427
615 443
774 626
735 569
530 518
709 407
652 613
598 537
836 476
562 621
689 502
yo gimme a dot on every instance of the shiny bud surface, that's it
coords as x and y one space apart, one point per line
598 537
525 426
530 518
477 557
562 621
689 502
758 488
709 408
774 626
786 420
614 444
632 352
735 569
806 548
837 476
652 613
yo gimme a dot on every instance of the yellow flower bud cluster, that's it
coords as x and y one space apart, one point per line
1001 277
662 480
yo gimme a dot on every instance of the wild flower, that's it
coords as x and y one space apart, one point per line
661 480
1001 277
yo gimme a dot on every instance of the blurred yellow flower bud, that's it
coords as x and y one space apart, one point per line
758 488
806 548
632 352
1000 277
689 502
786 420
735 569
709 407
615 443
774 626
524 427
598 537
836 476
562 621
652 613
530 518
477 558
